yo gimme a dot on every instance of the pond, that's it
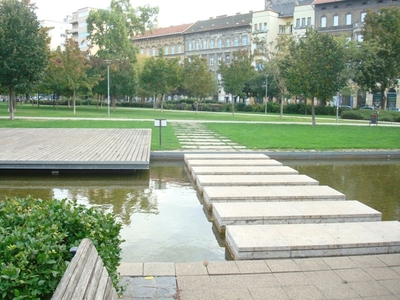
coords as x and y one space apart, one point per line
163 219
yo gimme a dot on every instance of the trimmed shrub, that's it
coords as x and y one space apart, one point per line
36 236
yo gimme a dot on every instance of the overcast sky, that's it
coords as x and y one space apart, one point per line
172 12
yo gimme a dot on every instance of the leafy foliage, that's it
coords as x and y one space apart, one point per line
36 238
23 47
197 79
378 61
314 67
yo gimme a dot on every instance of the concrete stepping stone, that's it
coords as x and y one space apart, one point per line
215 194
229 156
312 240
233 162
296 212
253 180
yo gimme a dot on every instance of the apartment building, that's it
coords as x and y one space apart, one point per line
170 39
79 30
58 32
346 16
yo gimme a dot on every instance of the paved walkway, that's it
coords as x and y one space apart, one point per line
352 277
195 136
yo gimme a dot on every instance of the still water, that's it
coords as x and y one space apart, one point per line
163 219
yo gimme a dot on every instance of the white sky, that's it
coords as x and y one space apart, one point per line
172 12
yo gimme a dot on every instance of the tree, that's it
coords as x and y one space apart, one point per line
161 76
23 47
314 67
112 31
72 65
236 74
379 55
197 78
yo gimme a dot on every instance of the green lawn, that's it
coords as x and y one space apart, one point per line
241 128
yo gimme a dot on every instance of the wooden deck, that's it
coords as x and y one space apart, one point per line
74 149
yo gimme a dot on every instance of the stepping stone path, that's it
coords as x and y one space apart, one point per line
295 218
195 136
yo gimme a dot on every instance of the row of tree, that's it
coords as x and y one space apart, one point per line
317 65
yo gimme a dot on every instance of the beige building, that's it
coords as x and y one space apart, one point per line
170 39
79 30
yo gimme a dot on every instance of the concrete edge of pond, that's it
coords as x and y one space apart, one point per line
295 155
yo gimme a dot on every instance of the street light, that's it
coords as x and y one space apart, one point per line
266 94
108 61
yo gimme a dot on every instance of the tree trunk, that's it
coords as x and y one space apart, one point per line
73 102
162 102
281 110
10 103
383 97
312 110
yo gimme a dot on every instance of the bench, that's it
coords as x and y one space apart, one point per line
86 277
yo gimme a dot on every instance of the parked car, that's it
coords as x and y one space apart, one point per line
367 107
345 107
394 108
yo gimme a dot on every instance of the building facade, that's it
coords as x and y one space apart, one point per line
170 39
79 30
58 32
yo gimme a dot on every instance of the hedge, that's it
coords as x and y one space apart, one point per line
36 236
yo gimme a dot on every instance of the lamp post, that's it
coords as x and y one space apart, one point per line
266 94
108 61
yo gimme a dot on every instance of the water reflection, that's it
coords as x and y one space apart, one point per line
374 183
163 219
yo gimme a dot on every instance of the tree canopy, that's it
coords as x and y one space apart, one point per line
314 67
24 48
378 66
197 78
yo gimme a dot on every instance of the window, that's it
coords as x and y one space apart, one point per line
265 26
219 43
179 48
228 59
148 52
82 35
359 37
82 25
196 45
166 50
228 43
141 51
309 22
211 60
236 41
282 28
204 44
297 22
336 20
255 27
172 49
303 22
362 16
323 22
212 44
219 60
190 46
348 19
153 51
244 40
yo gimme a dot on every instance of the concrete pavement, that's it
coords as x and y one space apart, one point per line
346 277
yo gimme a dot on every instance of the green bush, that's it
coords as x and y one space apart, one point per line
36 236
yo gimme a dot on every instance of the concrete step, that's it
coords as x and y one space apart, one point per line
252 180
232 162
293 212
241 170
215 194
312 240
228 156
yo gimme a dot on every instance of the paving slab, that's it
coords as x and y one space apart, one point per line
228 156
252 180
241 170
291 212
215 194
236 162
312 240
